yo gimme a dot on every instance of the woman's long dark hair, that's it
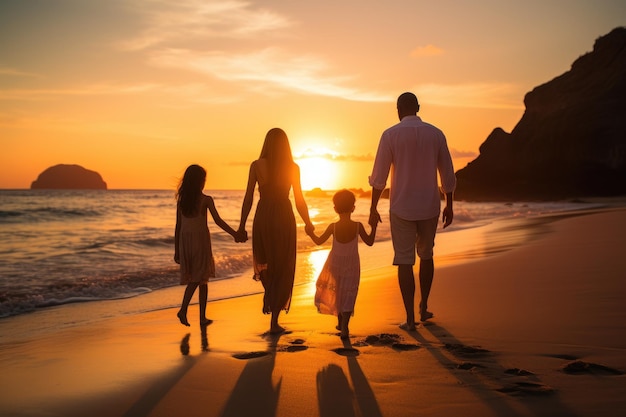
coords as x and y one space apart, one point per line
277 151
190 189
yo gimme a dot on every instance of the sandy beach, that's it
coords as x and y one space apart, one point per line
538 330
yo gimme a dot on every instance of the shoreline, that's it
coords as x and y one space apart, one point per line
505 327
493 237
39 273
309 263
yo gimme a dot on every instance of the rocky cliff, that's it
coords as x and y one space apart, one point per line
69 177
571 140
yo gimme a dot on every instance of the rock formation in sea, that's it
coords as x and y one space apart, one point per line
571 140
69 177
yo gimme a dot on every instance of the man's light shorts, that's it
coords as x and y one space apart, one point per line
409 236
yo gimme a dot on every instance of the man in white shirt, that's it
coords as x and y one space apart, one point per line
417 151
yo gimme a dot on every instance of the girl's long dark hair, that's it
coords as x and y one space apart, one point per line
277 151
190 190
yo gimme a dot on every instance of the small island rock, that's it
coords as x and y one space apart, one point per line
68 177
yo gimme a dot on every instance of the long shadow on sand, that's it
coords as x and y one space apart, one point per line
336 398
479 370
334 395
144 406
254 389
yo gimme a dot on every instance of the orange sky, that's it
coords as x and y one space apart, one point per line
139 89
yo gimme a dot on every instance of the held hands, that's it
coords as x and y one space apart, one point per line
241 236
374 218
309 229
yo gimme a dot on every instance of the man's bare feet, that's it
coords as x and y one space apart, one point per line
425 315
205 322
183 318
409 327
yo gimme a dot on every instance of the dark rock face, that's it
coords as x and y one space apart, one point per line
571 140
69 177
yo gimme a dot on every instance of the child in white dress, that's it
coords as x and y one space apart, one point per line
338 282
192 240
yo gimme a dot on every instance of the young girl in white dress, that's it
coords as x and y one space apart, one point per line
338 282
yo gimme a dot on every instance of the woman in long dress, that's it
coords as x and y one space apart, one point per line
274 224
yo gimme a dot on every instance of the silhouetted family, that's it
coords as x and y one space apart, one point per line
414 152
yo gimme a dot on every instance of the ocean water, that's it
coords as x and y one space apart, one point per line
59 247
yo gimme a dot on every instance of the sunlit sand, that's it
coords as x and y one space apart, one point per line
534 330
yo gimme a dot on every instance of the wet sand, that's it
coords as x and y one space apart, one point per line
537 330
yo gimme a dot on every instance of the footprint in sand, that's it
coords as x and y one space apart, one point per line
468 366
383 339
458 349
296 345
579 367
404 346
518 372
344 351
387 339
562 356
527 389
294 348
250 355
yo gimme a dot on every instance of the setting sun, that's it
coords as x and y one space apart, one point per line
180 75
318 169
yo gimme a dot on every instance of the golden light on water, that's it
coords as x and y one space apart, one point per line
314 263
313 212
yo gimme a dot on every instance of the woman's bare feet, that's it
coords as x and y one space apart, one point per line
277 329
183 318
205 322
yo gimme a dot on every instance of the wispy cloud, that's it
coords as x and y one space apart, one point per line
308 154
333 156
91 90
341 157
270 68
209 37
198 19
17 73
479 95
428 50
462 154
192 92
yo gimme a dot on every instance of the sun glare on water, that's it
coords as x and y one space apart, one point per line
315 262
